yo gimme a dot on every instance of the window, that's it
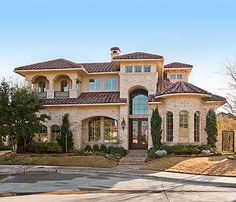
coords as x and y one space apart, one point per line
169 127
94 84
183 119
55 130
179 76
111 84
128 69
64 86
138 68
197 126
172 76
147 68
42 86
139 102
110 129
43 134
94 129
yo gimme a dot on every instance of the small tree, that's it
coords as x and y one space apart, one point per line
65 137
211 128
156 130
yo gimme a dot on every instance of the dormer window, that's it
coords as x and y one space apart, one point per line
64 86
94 84
138 68
42 87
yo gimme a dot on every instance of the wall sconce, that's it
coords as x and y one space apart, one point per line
123 124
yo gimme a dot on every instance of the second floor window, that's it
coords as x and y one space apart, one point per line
138 68
172 76
128 69
179 76
111 84
64 86
42 86
147 68
94 84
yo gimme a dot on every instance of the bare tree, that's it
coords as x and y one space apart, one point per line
230 106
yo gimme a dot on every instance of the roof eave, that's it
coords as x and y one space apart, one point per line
123 60
178 68
80 105
182 94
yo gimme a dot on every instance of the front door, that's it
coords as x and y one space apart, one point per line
138 133
228 141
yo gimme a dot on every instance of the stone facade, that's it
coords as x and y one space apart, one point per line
78 77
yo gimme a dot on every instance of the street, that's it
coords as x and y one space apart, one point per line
88 185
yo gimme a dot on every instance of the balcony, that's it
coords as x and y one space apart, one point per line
59 94
42 95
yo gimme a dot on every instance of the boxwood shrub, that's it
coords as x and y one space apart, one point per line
44 147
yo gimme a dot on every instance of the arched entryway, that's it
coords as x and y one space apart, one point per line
138 119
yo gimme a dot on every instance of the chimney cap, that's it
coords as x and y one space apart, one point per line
115 48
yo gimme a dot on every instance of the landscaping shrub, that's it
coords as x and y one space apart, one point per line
96 148
204 147
103 148
88 148
151 153
116 151
44 147
4 148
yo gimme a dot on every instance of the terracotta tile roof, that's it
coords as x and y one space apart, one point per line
215 98
152 98
178 65
89 98
185 87
99 67
163 84
182 87
138 55
66 64
52 64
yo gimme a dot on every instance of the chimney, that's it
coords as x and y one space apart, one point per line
115 51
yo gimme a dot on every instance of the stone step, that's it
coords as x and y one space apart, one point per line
133 159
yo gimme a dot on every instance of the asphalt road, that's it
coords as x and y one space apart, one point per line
95 186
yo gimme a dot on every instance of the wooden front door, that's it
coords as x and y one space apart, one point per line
138 133
228 141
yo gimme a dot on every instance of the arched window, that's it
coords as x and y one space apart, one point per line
169 127
94 129
110 130
42 86
183 119
64 86
43 134
139 102
197 126
55 130
183 127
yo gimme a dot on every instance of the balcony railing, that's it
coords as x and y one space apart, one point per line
59 94
42 95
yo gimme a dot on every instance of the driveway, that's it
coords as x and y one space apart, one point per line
50 184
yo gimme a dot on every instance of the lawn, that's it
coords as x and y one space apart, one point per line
214 165
57 160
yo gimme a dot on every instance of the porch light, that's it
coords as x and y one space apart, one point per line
123 124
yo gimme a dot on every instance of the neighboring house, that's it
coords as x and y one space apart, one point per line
112 102
226 132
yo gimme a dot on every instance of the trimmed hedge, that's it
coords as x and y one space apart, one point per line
114 151
181 150
4 148
44 147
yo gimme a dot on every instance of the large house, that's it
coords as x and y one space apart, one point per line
112 102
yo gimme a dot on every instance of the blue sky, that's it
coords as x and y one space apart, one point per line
202 33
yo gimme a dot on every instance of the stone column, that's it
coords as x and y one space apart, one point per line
78 136
49 134
102 130
191 127
175 127
50 91
124 133
73 90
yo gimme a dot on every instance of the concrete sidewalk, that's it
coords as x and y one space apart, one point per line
14 169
